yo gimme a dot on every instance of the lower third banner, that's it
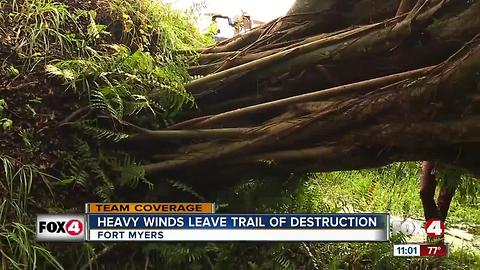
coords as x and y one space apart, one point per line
218 227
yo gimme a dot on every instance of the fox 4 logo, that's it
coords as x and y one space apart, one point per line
60 228
434 227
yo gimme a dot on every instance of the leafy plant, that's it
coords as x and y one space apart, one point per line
123 61
17 245
124 84
29 141
5 122
85 167
185 188
146 24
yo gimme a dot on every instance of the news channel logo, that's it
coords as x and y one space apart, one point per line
60 228
433 227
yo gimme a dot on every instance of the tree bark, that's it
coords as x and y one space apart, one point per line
398 81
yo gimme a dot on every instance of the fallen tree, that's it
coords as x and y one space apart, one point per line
280 99
95 103
332 85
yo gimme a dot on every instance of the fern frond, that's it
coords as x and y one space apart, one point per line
185 188
140 103
283 261
103 134
131 171
67 75
99 102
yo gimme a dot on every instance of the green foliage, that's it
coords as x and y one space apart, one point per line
468 189
100 134
390 188
89 46
122 59
131 173
398 191
8 70
100 171
41 29
126 61
268 195
84 167
17 245
30 143
5 122
44 29
185 188
148 24
122 83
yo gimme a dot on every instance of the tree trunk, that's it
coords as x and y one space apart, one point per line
385 81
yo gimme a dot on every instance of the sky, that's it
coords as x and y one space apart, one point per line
260 10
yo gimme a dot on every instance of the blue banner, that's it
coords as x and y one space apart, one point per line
237 221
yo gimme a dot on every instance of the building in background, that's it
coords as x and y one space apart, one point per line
233 17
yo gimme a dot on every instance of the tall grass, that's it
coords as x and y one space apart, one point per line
39 30
120 54
392 188
17 245
397 192
148 24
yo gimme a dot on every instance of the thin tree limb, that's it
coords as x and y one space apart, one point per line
219 133
314 96
196 85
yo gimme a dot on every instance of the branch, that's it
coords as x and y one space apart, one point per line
220 133
196 86
314 96
20 86
442 132
77 113
388 111
188 123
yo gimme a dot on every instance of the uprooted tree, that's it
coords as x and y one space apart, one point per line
97 97
332 85
348 85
